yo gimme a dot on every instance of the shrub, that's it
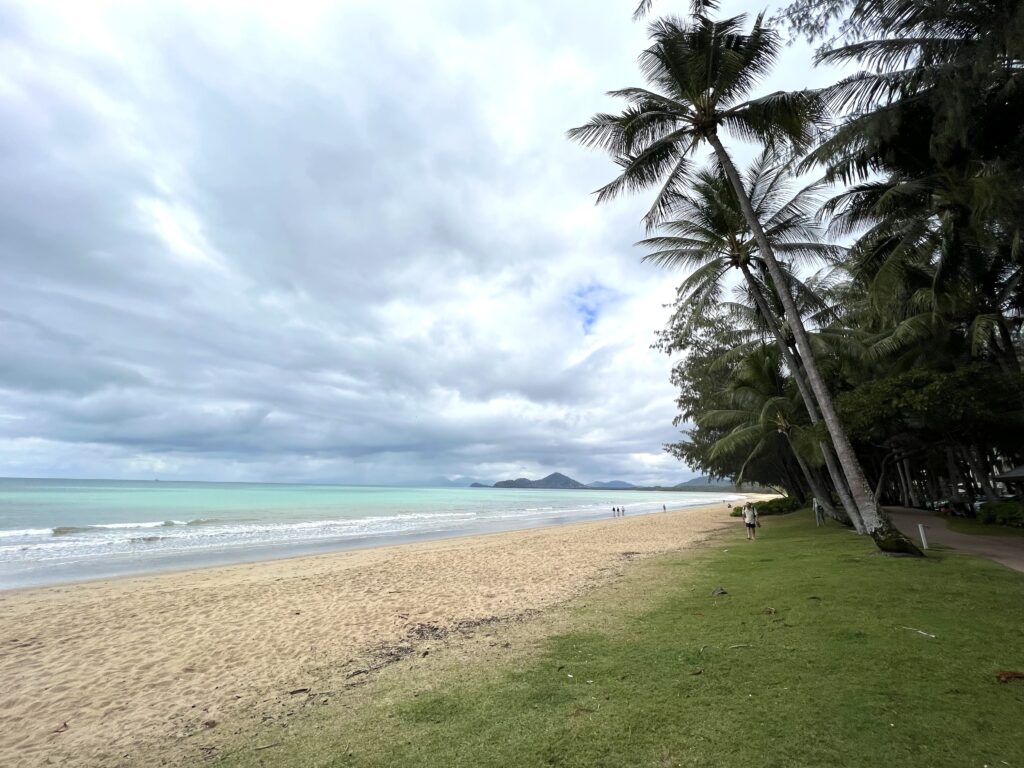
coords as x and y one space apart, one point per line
780 506
1009 513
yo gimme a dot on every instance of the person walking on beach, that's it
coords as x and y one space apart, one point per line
750 520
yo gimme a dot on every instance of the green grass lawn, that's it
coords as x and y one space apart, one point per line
814 658
973 525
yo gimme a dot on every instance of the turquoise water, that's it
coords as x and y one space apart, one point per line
69 530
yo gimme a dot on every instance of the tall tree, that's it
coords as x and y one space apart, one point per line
709 233
702 74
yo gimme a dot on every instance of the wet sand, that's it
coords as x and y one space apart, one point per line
109 673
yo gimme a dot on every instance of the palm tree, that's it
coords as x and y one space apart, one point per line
920 250
702 75
758 408
931 132
709 233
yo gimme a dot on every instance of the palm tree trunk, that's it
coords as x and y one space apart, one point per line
915 492
955 477
839 481
881 475
831 460
806 395
836 513
978 470
794 486
906 497
877 523
974 490
817 490
934 491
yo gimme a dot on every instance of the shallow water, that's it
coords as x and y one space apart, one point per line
55 531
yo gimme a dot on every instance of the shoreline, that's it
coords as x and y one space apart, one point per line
42 574
136 664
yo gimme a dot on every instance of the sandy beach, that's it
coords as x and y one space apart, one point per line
108 673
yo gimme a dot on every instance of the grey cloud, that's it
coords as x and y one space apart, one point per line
359 250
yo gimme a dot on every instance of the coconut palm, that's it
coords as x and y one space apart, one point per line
759 406
709 233
931 133
928 267
702 74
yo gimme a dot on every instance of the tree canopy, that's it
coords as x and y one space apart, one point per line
905 344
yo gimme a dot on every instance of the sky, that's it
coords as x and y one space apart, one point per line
326 241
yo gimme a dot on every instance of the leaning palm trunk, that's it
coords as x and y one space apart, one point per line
813 482
835 472
808 398
876 522
978 471
955 477
819 491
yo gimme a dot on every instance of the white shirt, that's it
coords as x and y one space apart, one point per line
749 515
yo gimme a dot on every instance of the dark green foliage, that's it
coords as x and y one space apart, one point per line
916 329
733 403
780 506
919 324
929 406
1010 513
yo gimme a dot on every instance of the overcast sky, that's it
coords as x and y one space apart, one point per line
337 241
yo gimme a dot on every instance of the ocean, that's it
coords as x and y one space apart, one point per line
56 531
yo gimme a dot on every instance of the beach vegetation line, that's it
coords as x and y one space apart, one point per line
850 323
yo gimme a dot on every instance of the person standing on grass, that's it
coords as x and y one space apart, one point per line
750 520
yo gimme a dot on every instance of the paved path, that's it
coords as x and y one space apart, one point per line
1008 550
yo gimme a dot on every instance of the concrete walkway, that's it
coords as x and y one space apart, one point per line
1008 550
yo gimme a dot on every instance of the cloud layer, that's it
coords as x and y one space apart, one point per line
321 241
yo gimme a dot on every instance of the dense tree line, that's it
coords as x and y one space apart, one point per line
857 338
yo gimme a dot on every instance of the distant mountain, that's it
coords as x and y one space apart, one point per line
519 482
560 481
705 481
554 480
